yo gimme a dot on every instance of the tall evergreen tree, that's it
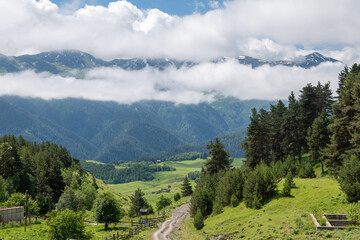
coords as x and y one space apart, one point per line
345 120
186 188
318 138
257 143
220 159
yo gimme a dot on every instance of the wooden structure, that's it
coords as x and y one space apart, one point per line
11 214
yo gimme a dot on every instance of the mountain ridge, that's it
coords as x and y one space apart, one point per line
64 62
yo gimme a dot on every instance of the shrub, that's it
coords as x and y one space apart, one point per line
307 171
162 202
66 225
289 182
177 197
353 211
349 179
198 220
234 201
217 209
260 184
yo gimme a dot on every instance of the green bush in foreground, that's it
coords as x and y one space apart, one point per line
199 220
349 179
162 202
66 225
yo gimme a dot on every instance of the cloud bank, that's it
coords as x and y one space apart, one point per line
266 29
259 28
187 85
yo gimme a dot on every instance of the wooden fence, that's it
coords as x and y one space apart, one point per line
136 228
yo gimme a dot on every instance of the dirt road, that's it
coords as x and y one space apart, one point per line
170 224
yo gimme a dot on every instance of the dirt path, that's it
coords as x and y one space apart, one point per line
170 224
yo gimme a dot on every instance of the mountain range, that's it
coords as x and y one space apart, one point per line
74 63
108 131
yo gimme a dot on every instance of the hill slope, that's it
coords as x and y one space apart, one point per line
108 131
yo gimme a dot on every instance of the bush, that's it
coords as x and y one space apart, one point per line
260 184
66 225
18 199
177 197
234 201
198 220
353 211
349 179
289 183
217 209
162 202
307 171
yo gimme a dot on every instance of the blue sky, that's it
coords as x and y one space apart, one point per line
172 7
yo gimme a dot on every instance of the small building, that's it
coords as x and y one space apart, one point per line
158 161
11 214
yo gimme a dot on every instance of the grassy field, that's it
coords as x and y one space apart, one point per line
280 218
164 179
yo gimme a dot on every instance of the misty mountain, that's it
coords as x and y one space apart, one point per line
108 131
74 63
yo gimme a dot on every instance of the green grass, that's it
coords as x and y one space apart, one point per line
164 179
280 218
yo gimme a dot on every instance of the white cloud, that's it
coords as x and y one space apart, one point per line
185 85
268 29
214 4
265 28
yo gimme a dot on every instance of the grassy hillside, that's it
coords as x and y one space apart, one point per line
280 218
164 179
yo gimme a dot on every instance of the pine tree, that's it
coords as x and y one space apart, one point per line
186 188
345 126
220 159
318 138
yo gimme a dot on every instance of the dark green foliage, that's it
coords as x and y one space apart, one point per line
107 210
19 199
260 184
4 194
36 168
198 220
194 176
234 201
66 225
187 156
219 158
217 208
142 171
289 183
307 171
162 202
186 188
138 201
230 183
281 132
345 127
349 178
257 143
318 138
177 197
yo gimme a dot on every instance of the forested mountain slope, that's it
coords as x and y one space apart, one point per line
107 131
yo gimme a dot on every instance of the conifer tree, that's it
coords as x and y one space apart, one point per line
318 138
220 159
186 188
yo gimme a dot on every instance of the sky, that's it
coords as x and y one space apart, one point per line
186 30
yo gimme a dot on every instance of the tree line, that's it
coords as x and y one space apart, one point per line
287 141
138 171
